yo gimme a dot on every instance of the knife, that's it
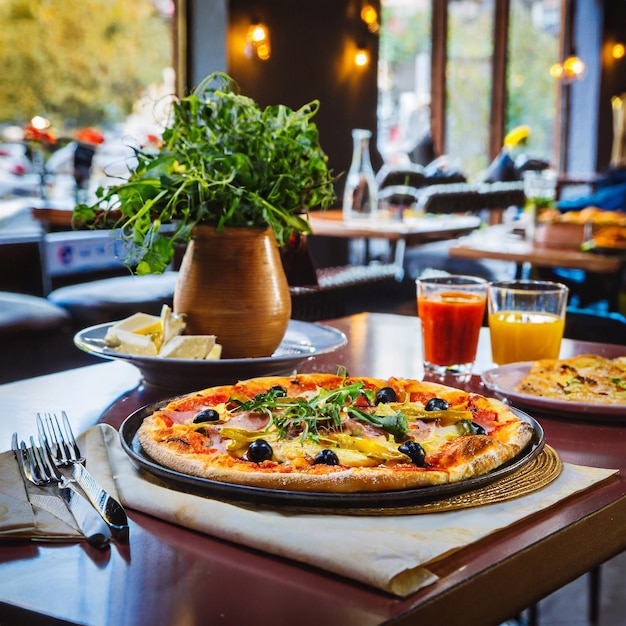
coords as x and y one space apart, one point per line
96 531
108 507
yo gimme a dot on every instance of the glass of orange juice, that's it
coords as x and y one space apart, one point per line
526 320
451 310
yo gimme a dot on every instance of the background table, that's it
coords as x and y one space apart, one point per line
168 574
499 243
401 233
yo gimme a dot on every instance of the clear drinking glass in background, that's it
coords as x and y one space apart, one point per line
540 192
451 310
526 320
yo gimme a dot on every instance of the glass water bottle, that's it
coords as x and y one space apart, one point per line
360 198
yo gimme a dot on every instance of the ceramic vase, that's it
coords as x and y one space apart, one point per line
232 284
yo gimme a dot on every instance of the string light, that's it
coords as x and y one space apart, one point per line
258 42
572 69
618 51
361 57
370 16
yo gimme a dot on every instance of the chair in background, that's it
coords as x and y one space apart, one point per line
36 338
588 325
112 299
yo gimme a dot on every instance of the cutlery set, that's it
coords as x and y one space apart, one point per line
54 464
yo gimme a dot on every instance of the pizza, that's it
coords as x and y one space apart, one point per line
334 434
585 378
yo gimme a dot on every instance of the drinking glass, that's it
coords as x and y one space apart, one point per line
526 320
451 310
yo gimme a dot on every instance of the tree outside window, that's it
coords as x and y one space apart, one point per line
77 64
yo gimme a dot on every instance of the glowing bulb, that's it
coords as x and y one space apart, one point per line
361 58
618 51
258 42
556 71
369 14
573 67
263 51
258 34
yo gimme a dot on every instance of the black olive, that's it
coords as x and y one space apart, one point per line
479 429
414 451
206 415
326 457
471 428
437 404
386 395
259 450
278 391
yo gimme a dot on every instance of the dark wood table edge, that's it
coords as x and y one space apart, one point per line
478 593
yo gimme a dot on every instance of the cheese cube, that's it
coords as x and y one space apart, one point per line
188 347
132 343
215 353
172 323
138 323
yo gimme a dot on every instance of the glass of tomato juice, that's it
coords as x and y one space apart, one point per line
526 320
451 310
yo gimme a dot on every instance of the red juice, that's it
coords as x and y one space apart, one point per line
451 324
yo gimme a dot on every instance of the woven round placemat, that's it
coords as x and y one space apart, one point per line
535 475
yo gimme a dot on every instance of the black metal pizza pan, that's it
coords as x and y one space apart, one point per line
314 500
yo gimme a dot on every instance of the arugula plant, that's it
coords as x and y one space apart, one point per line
224 162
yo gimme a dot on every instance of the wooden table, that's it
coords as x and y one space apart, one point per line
411 231
498 242
171 575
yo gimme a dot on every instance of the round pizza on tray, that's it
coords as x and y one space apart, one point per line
334 434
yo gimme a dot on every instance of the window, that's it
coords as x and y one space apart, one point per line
534 32
490 72
468 84
404 78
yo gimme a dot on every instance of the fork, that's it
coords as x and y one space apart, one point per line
64 452
37 467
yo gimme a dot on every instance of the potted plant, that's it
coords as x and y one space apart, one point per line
227 173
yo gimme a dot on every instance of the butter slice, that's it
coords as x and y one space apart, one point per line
188 347
132 343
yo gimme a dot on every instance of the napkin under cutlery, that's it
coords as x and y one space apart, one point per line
27 512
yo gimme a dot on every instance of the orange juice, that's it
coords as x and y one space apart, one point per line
451 323
524 336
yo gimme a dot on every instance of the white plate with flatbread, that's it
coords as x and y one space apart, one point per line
503 382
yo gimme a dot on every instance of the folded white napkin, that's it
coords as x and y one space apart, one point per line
391 553
27 512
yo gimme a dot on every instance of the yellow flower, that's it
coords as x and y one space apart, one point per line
517 136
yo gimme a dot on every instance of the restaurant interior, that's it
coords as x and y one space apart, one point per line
483 215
